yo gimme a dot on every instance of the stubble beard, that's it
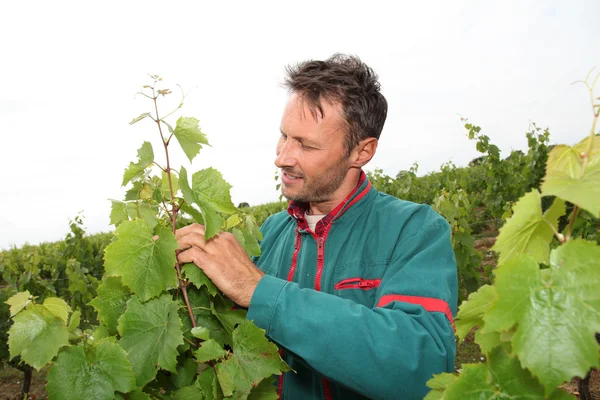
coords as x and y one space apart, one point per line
319 189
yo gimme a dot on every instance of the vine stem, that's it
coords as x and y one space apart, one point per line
175 209
572 222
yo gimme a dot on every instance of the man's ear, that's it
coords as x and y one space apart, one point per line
363 152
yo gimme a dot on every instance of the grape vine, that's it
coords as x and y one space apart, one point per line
164 331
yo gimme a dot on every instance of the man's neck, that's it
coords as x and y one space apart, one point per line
347 186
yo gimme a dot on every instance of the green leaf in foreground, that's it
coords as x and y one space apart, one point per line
264 391
189 136
118 212
150 333
209 350
501 378
198 278
528 231
37 335
58 307
95 375
145 159
146 266
211 193
438 384
567 178
18 302
551 340
254 358
470 313
111 302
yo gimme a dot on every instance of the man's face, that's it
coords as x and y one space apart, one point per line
311 152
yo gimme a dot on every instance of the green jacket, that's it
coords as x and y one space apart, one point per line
363 307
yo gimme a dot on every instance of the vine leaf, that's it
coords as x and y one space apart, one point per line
264 391
145 159
139 118
254 358
502 377
211 193
37 335
187 393
471 311
438 384
95 375
18 302
185 373
209 350
207 381
201 305
549 338
198 278
145 265
527 231
225 310
111 302
118 212
471 314
58 307
566 177
189 136
150 333
137 394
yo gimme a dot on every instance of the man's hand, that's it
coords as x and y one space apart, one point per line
222 259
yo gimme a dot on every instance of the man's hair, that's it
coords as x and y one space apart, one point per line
347 81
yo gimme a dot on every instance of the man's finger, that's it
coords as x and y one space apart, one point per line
186 230
192 255
192 239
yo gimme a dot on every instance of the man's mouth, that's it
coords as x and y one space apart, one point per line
291 176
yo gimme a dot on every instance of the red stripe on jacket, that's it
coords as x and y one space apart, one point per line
428 303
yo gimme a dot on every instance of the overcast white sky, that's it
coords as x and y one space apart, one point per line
69 73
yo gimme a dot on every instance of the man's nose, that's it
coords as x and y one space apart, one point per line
286 156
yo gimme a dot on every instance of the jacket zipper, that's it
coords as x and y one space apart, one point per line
357 283
320 260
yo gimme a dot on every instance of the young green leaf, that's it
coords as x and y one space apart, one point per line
150 333
145 265
189 136
95 375
567 178
37 335
528 231
209 350
58 307
254 358
18 302
118 212
550 339
471 311
501 378
211 193
145 159
198 278
139 118
111 302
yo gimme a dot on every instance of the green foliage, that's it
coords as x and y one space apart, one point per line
158 329
538 323
93 374
456 209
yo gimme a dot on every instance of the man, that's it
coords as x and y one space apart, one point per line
357 288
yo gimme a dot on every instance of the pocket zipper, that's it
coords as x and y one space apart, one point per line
357 283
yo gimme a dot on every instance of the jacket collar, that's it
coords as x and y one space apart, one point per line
298 209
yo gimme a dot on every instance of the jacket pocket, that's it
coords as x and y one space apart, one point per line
357 283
